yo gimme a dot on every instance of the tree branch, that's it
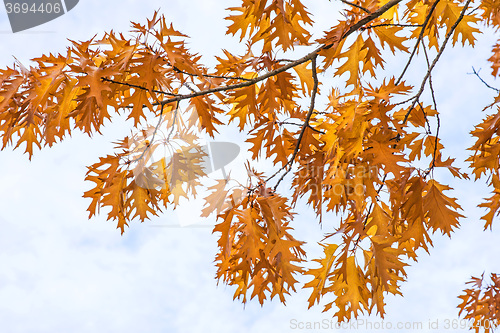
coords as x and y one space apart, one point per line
290 65
434 62
138 87
212 76
305 125
391 25
476 73
433 95
357 6
294 124
419 39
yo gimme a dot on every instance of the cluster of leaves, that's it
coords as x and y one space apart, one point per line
256 249
367 157
481 303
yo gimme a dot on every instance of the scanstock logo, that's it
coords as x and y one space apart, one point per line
26 14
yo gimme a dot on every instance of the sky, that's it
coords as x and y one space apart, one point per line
61 272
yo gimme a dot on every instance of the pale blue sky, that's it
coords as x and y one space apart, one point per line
63 273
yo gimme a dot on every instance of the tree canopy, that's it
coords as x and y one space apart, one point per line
367 156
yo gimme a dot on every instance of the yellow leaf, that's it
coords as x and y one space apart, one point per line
355 54
441 210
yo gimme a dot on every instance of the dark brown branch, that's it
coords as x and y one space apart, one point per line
474 10
242 84
315 129
185 84
311 107
284 60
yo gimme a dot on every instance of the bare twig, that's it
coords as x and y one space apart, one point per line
211 75
434 62
436 142
473 10
294 124
315 129
357 6
371 204
391 25
369 211
476 73
138 87
284 60
186 84
288 165
425 117
173 121
433 95
419 39
147 147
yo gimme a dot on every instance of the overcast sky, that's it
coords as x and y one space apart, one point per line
61 272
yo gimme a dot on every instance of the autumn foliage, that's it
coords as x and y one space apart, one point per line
368 156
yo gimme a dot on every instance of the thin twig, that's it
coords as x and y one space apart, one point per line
138 87
173 122
212 75
186 84
147 147
434 62
476 73
419 39
315 129
369 212
472 11
306 122
391 25
294 124
436 142
357 6
290 65
425 117
433 95
371 204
